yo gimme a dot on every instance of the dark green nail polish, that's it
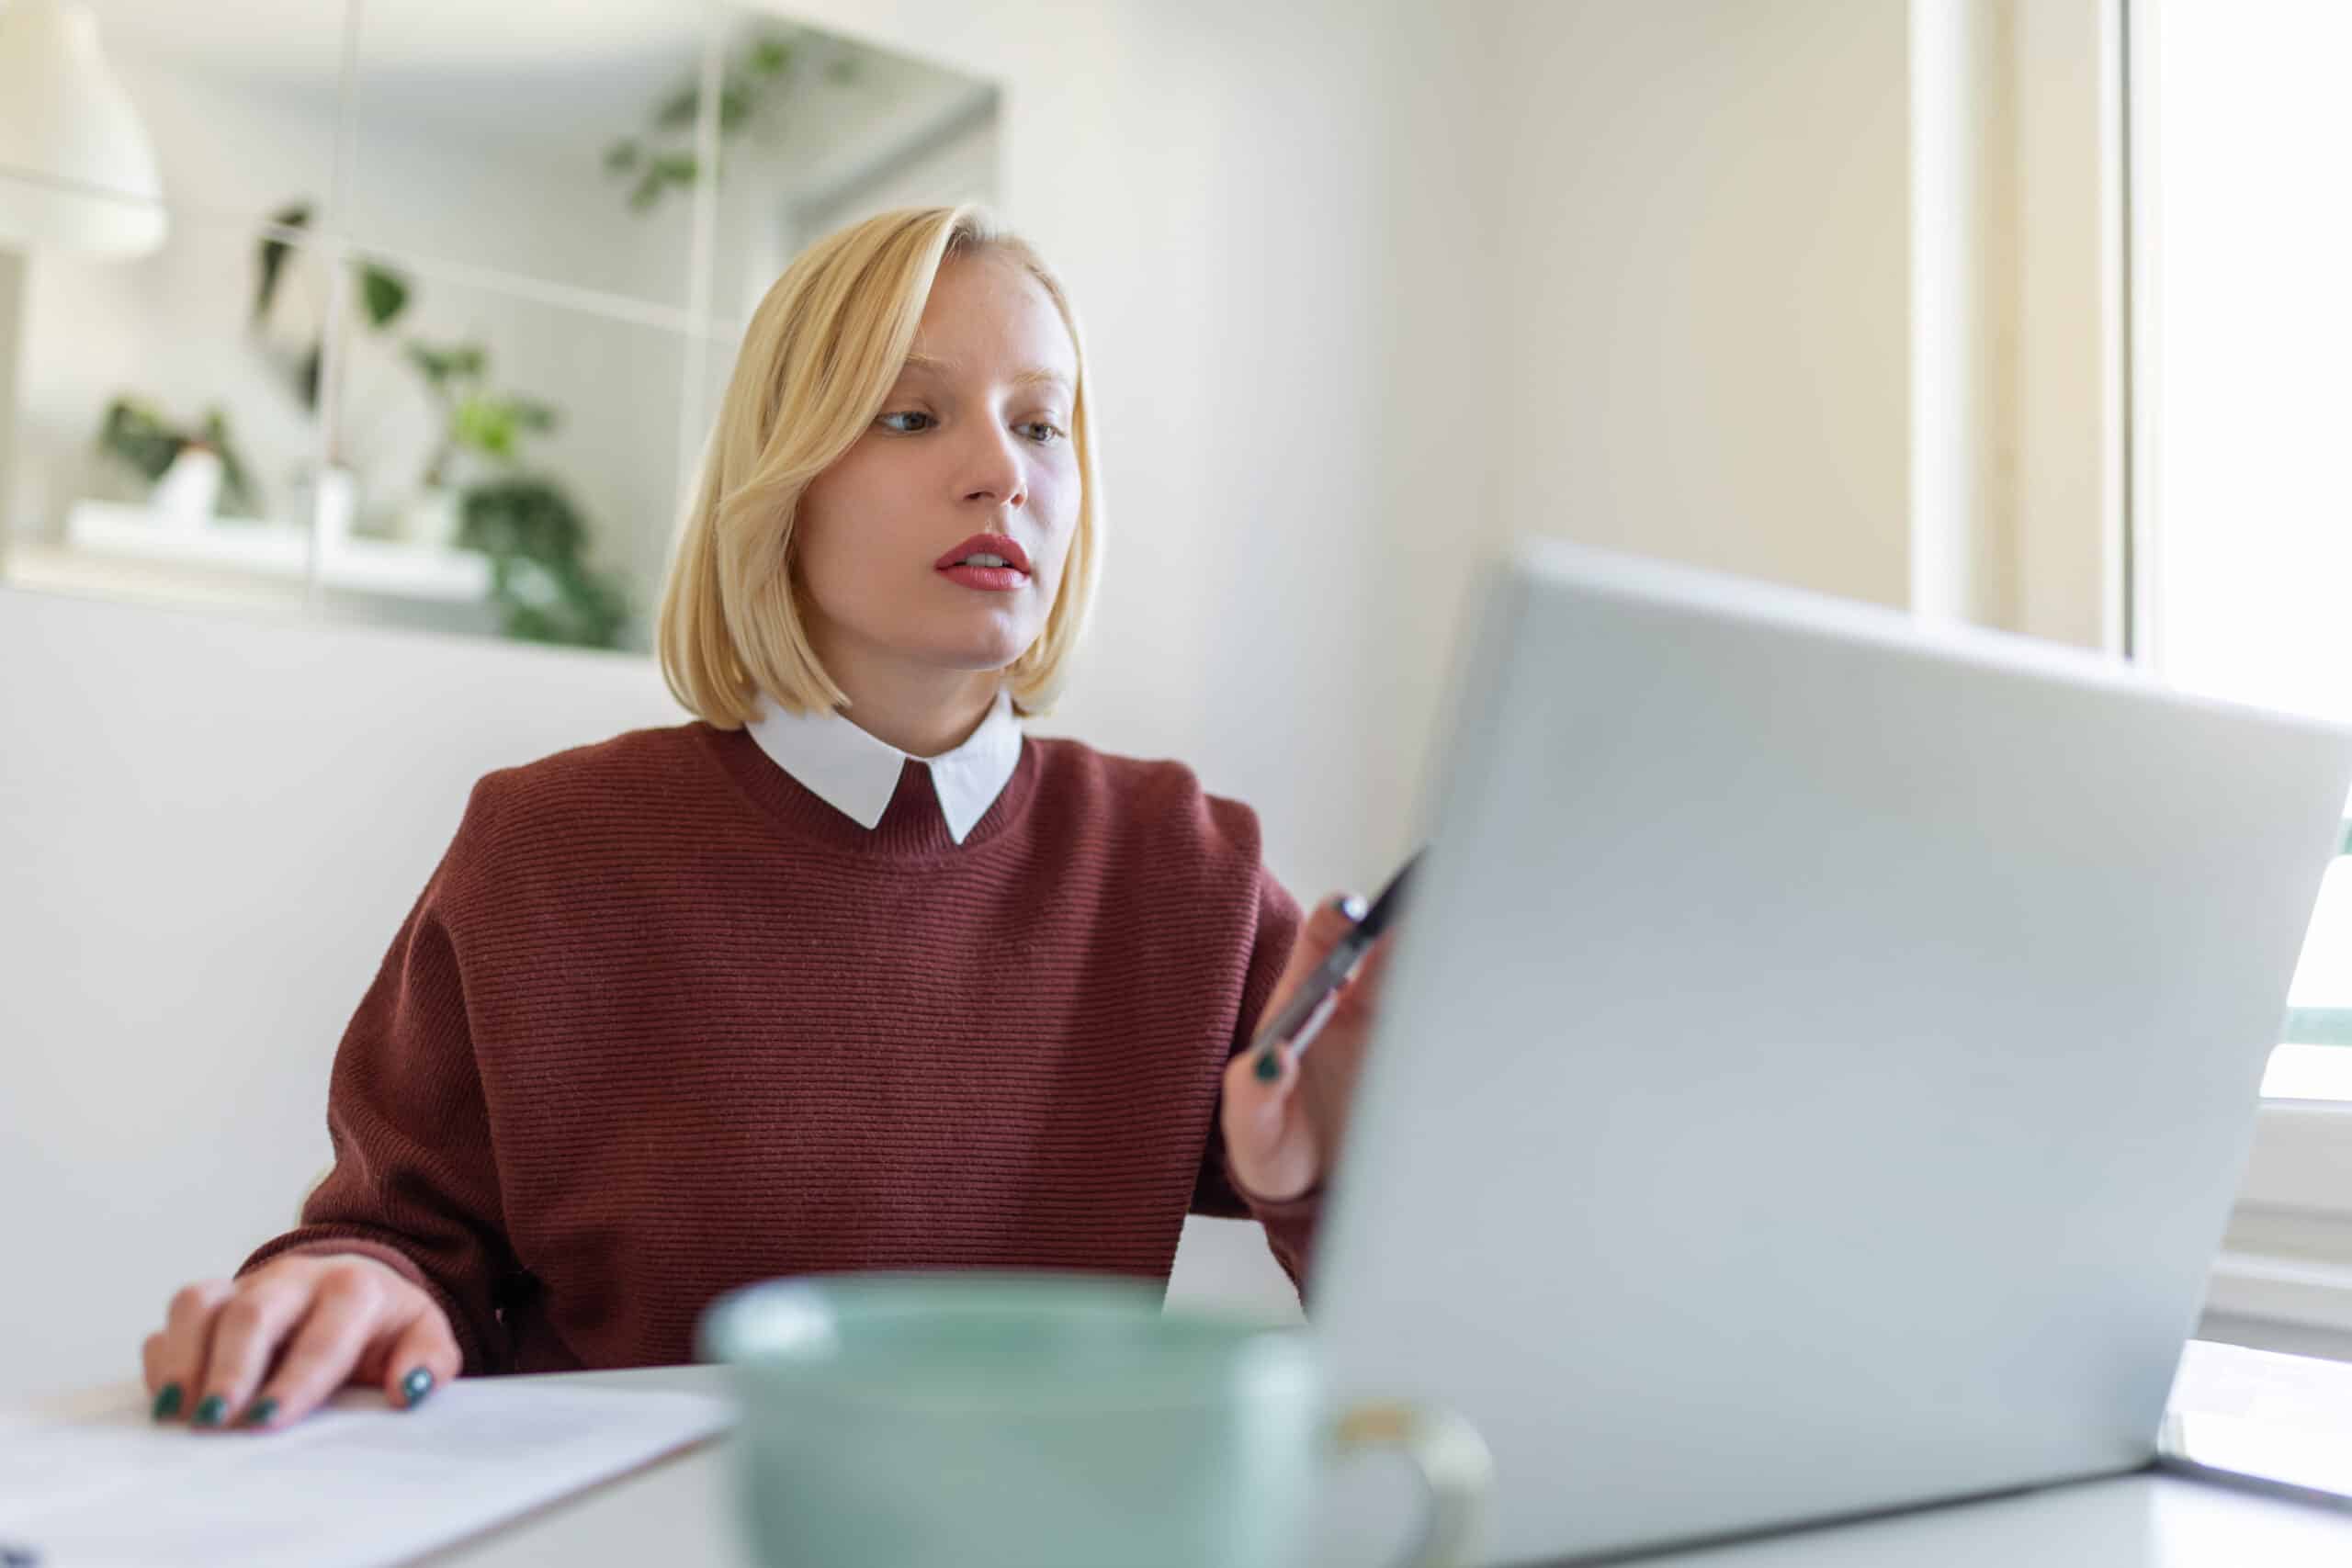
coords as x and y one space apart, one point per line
260 1414
209 1412
416 1386
1270 1065
167 1402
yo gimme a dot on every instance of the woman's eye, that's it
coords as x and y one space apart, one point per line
1044 432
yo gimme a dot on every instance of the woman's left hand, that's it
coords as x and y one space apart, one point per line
1281 1137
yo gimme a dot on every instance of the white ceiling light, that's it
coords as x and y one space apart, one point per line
77 170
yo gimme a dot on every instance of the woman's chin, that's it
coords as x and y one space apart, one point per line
986 648
980 657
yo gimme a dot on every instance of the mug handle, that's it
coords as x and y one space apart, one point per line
1454 1462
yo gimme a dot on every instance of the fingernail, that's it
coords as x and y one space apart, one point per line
416 1386
167 1402
1354 907
1269 1064
260 1414
209 1412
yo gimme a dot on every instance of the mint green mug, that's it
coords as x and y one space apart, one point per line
1007 1420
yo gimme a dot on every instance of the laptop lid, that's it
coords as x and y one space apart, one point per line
1819 1060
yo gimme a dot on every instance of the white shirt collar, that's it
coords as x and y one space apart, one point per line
857 774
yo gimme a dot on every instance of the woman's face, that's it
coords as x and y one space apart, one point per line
973 441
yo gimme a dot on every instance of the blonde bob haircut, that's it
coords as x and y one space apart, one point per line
818 362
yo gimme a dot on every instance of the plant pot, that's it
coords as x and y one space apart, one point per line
335 500
327 500
184 496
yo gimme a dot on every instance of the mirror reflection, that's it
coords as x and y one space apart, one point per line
416 316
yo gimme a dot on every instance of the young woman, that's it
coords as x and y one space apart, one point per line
845 974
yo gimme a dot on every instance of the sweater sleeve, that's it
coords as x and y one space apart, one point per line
1289 1223
415 1183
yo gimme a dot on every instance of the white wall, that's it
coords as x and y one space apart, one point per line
1818 291
212 828
1705 253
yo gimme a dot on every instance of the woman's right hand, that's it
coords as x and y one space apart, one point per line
339 1317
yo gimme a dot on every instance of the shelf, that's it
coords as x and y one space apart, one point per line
275 550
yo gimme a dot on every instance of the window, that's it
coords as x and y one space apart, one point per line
2241 255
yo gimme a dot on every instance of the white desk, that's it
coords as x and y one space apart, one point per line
679 1510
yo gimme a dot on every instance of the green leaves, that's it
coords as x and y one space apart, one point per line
536 543
759 74
489 424
660 173
237 492
134 433
677 111
383 292
440 365
655 171
271 261
494 425
535 538
768 56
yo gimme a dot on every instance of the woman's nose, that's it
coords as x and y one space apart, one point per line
996 473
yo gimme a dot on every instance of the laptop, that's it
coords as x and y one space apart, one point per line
1818 1064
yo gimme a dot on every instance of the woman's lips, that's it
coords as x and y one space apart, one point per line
988 578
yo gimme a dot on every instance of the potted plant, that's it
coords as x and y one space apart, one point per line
475 421
536 543
527 523
474 494
297 348
194 471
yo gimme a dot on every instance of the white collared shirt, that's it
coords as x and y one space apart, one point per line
857 774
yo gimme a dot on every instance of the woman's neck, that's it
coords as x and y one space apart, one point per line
922 711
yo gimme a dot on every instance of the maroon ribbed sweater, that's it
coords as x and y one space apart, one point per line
664 1023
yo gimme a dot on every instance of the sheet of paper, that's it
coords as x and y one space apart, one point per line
356 1485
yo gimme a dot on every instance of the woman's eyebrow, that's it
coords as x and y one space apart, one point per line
1033 375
